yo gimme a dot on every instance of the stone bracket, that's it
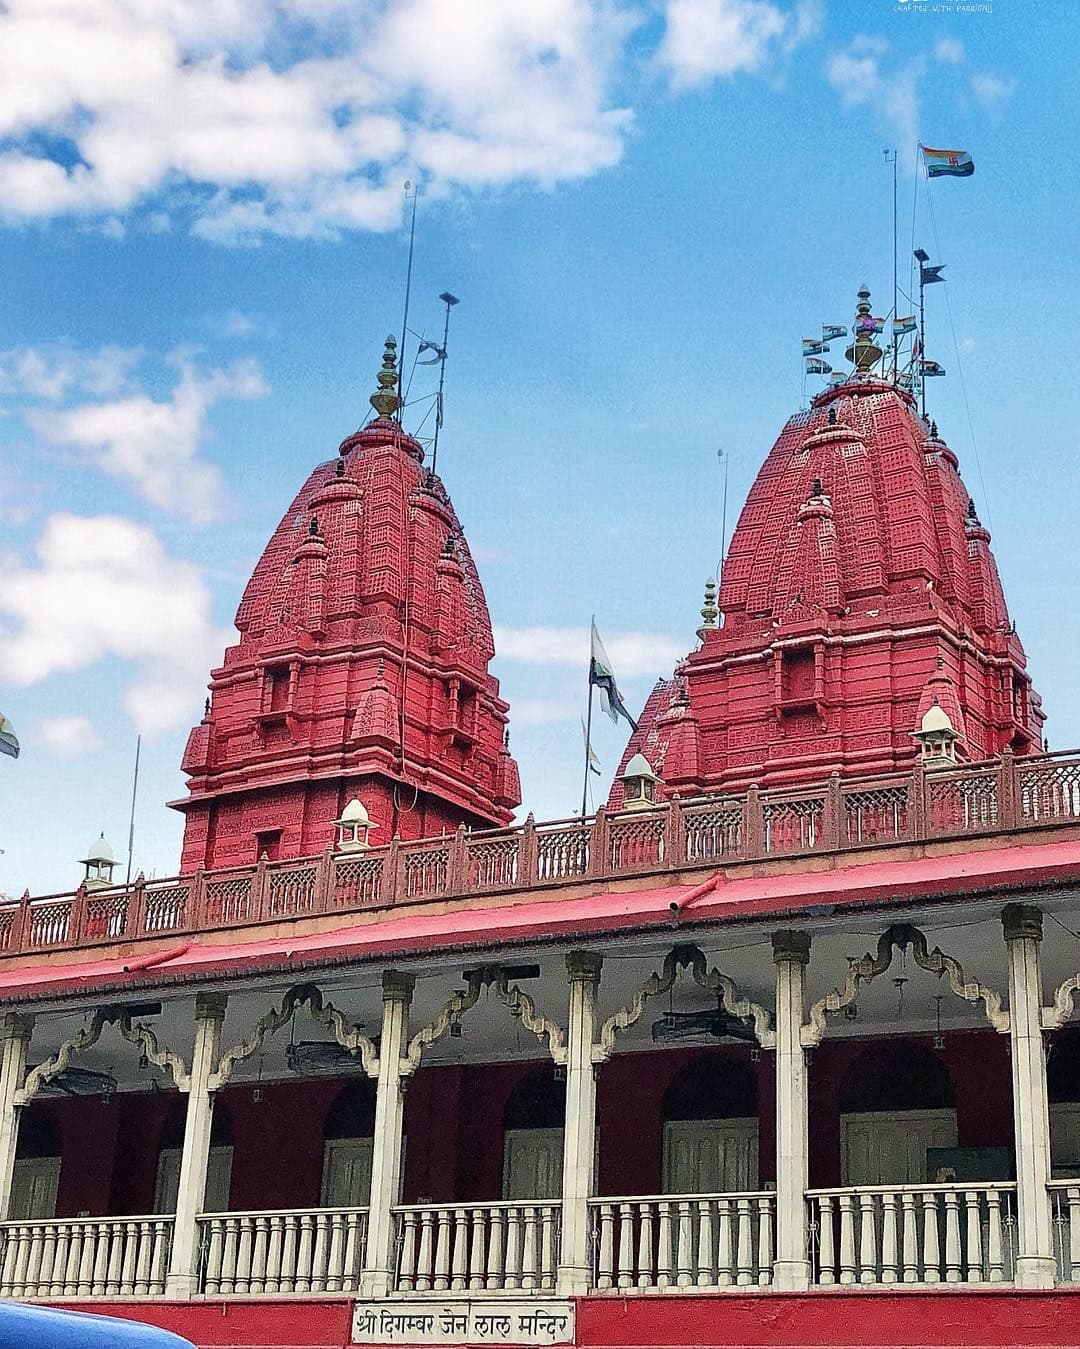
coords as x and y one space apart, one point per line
88 1036
350 1037
709 978
1056 1015
514 998
900 937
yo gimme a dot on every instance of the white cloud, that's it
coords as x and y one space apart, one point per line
150 446
300 118
103 587
707 39
949 49
68 737
865 76
992 91
53 374
631 653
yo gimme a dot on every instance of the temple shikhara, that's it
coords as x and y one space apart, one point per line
778 1047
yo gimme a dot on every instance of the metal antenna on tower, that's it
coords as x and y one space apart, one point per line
408 290
449 300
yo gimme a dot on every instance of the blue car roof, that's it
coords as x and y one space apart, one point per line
23 1327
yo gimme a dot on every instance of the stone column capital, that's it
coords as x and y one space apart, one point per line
1022 920
397 986
18 1026
211 1006
791 946
584 965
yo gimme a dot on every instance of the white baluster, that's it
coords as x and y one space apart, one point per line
952 1237
273 1254
889 1248
337 1252
547 1246
48 1261
354 1245
304 1254
71 1273
867 1239
460 1261
846 1203
115 1262
242 1279
973 1218
442 1250
427 1251
625 1253
931 1239
606 1258
1074 1231
258 1255
745 1246
993 1237
664 1259
319 1259
33 1264
706 1269
910 1216
765 1231
684 1260
477 1256
725 1272
144 1259
159 1261
407 1279
86 1267
63 1236
528 1256
496 1248
287 1280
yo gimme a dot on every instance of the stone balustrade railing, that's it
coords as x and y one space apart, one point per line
683 1241
84 1257
282 1251
497 1247
836 815
920 1234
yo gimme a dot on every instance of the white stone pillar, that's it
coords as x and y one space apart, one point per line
791 952
377 1279
183 1277
17 1031
579 1135
1022 924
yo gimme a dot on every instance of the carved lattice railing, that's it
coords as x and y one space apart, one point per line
840 814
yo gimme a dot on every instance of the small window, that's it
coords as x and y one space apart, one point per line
268 841
277 687
799 675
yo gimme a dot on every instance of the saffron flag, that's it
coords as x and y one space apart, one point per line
832 331
928 368
816 366
603 676
590 753
812 347
9 742
947 163
901 326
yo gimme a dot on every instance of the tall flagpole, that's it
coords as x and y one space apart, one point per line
895 311
405 316
588 744
131 825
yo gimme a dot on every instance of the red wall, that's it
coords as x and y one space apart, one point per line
454 1127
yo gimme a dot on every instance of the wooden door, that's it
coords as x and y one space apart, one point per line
532 1164
218 1180
33 1188
710 1156
888 1147
346 1178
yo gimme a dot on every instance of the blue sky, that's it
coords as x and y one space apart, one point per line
643 207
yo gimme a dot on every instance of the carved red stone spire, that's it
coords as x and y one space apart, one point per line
859 585
361 669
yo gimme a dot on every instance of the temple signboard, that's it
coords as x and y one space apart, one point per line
465 1321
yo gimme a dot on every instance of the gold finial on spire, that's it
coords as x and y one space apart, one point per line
709 611
864 353
385 400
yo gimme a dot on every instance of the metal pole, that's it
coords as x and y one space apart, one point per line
408 289
588 745
450 301
131 825
922 340
895 315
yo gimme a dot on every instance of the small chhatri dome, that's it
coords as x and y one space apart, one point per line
935 719
98 864
354 826
99 851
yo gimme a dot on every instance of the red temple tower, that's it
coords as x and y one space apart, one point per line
361 669
859 588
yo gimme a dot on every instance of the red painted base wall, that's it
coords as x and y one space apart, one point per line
832 1320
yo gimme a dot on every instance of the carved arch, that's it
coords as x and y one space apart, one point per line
514 998
326 1014
707 977
83 1039
900 937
